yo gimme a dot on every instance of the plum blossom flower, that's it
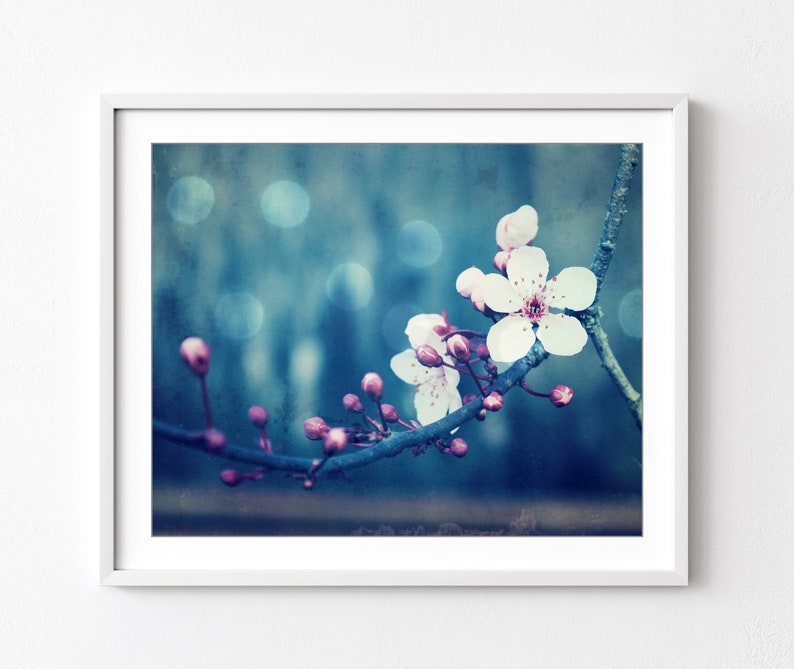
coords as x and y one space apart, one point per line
526 297
436 387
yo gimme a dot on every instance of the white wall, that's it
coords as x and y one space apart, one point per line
733 57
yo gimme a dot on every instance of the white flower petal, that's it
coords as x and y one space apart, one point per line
452 375
431 401
408 369
455 403
467 280
510 339
455 400
573 288
561 334
420 331
527 269
517 229
499 294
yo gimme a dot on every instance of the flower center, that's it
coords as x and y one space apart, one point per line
535 308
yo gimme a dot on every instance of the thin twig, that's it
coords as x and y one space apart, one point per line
591 318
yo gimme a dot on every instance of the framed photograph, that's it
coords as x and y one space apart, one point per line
394 340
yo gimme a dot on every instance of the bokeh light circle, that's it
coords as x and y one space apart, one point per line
350 286
239 315
419 244
190 200
630 313
285 204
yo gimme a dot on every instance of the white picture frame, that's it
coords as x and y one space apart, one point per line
658 557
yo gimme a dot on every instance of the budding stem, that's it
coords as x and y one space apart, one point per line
524 385
469 371
385 428
375 423
476 378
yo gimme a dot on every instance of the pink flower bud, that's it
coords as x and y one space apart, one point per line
231 477
258 416
458 347
517 229
468 280
214 439
390 414
458 447
428 356
352 403
196 354
315 428
481 415
335 440
372 385
482 352
308 484
493 402
561 396
500 261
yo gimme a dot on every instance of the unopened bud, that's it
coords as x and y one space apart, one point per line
500 261
352 403
458 447
468 280
335 440
481 415
491 369
308 484
196 353
390 414
372 385
561 396
315 428
482 352
458 347
428 356
493 402
231 477
214 439
517 229
258 416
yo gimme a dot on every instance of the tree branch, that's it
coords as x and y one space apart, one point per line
591 318
616 208
389 447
